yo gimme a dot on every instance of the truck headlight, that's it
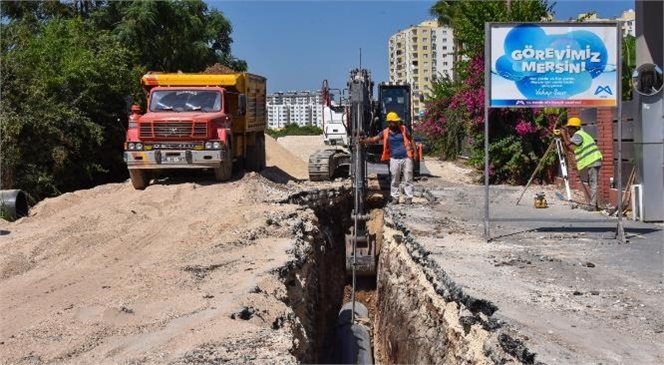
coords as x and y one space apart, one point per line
131 146
216 145
208 145
139 146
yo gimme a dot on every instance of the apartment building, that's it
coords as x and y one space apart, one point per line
300 107
420 53
627 19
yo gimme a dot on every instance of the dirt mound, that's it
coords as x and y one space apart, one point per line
149 276
302 146
218 68
282 159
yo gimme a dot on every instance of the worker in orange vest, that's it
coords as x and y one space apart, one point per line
398 149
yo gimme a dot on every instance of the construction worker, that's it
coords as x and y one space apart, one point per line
586 155
398 149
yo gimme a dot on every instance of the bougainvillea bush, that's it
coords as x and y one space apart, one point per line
518 138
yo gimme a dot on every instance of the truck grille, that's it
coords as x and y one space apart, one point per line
173 129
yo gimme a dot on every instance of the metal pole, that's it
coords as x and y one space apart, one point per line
356 203
487 99
620 233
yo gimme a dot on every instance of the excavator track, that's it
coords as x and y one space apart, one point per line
324 164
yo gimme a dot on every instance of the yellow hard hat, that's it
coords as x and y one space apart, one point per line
573 122
393 117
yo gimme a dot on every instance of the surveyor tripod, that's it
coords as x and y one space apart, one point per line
562 159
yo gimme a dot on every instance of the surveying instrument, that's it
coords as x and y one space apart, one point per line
558 143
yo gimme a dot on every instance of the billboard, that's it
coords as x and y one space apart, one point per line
554 65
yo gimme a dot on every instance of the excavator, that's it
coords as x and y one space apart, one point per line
344 123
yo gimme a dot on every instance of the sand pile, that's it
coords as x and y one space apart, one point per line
279 158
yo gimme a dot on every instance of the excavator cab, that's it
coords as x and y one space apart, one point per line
392 98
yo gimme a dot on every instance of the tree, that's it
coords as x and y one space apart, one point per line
171 36
628 63
63 90
33 11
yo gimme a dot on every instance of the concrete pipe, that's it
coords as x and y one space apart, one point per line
13 204
353 339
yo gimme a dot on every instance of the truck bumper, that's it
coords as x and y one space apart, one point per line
173 159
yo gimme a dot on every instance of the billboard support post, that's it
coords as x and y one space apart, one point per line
487 96
620 230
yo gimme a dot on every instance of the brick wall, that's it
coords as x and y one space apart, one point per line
604 140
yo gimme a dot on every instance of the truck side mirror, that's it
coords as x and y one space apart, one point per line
647 79
242 104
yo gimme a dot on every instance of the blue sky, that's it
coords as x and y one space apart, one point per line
298 44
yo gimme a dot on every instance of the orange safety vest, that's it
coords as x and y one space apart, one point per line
406 142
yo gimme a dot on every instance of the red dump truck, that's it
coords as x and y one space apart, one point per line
197 121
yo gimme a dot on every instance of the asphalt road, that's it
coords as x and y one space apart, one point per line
559 275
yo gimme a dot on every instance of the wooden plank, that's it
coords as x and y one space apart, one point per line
626 170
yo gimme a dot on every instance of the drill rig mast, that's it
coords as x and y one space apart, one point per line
360 250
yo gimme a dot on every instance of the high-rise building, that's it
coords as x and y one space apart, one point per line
627 19
300 107
418 55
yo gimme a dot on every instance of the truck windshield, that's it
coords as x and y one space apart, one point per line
185 100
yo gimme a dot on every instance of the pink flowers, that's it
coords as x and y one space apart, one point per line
463 106
522 128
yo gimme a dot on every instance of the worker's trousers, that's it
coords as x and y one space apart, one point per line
401 167
593 173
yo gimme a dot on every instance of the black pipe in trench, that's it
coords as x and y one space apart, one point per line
353 339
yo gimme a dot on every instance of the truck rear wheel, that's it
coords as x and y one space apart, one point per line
225 169
260 146
139 179
252 161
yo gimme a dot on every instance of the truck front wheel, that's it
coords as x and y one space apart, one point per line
225 169
139 179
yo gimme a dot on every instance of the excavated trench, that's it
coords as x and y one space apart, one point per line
417 313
